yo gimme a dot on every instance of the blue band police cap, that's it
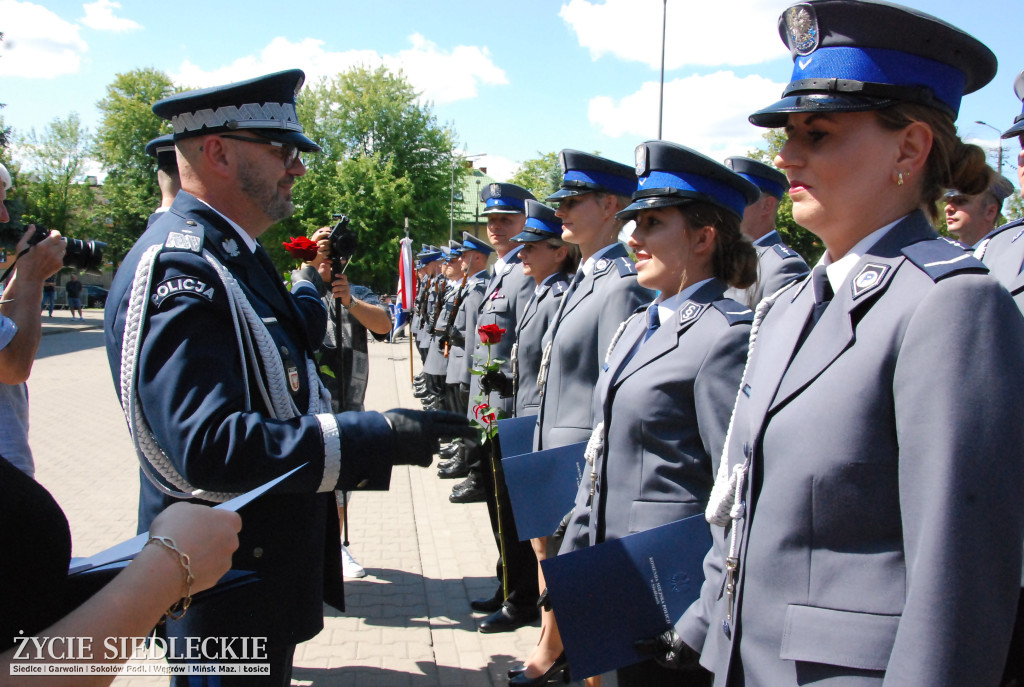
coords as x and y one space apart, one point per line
859 55
585 173
765 177
454 249
1018 124
502 198
162 148
541 224
264 105
671 174
431 256
470 242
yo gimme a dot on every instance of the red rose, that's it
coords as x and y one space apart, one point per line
490 333
489 418
302 248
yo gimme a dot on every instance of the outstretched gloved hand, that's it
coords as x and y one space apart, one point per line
418 433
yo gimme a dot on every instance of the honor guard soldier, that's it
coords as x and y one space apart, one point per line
432 267
162 149
214 364
778 264
867 511
1003 253
972 217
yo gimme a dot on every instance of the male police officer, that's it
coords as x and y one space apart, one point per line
167 178
213 360
972 218
777 263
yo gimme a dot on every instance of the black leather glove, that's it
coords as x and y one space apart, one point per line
496 380
441 341
669 650
417 433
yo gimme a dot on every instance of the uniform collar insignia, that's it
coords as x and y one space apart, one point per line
601 265
689 312
230 247
869 278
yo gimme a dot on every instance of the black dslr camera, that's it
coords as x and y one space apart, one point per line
81 255
343 244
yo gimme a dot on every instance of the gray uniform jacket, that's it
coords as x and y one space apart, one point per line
530 330
423 333
1002 251
465 322
665 410
435 362
777 265
588 321
503 304
882 530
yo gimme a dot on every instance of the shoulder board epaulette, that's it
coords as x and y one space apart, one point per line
784 251
558 288
940 259
187 237
626 266
479 285
735 313
1017 224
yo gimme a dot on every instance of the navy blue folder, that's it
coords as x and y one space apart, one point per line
608 596
542 487
515 434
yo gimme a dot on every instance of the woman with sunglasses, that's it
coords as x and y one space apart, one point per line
868 502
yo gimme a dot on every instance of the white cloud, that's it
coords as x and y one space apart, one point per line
99 15
37 43
498 167
706 113
440 76
720 32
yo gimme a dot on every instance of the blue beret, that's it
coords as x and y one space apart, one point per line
541 224
585 173
671 174
264 105
1018 124
162 148
504 199
859 55
765 177
470 242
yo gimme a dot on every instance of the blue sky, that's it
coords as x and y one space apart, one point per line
513 79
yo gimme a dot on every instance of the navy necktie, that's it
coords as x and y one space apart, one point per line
653 321
822 292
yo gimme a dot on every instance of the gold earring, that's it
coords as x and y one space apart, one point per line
899 181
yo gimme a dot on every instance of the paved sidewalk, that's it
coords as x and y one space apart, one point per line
408 622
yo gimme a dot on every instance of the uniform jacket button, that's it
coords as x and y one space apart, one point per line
257 552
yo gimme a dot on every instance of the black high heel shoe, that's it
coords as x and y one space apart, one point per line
516 669
558 669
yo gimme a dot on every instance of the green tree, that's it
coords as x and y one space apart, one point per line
796 237
541 176
52 178
385 158
1013 208
127 124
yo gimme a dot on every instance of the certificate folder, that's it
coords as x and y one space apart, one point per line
516 435
610 595
542 487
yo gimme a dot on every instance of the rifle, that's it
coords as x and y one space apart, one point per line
456 304
421 298
439 306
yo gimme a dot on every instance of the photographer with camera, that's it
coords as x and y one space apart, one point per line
21 328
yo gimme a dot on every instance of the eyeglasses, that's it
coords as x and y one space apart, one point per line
289 153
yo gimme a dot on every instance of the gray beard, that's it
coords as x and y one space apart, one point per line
267 199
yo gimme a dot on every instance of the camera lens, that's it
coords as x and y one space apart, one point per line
84 255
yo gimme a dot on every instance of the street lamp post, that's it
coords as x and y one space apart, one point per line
476 219
1000 133
661 89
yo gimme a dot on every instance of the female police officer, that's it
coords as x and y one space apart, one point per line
872 512
669 383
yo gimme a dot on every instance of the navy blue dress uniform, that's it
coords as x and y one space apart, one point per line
871 516
541 225
161 149
430 295
777 263
602 294
435 365
213 360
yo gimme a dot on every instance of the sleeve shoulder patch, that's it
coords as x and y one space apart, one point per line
940 259
734 313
